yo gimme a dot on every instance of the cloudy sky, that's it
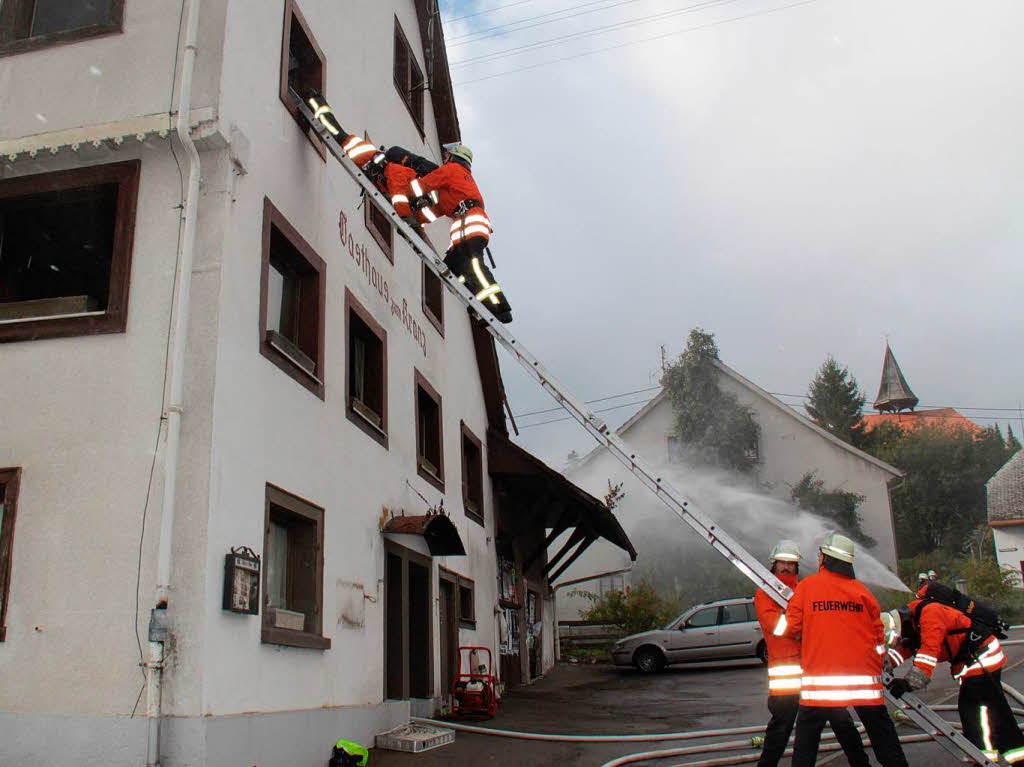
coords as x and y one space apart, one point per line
800 178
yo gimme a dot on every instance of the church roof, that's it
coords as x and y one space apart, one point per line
894 393
945 417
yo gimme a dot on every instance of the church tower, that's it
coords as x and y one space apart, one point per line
894 393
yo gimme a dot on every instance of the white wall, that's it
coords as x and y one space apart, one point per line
1009 545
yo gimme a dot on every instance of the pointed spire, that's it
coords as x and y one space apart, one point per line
894 393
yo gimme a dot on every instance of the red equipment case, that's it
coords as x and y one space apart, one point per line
475 692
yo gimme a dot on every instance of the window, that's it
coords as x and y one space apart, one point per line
292 297
26 25
610 584
752 452
433 299
751 612
303 68
703 618
408 77
367 366
293 566
379 224
735 613
429 453
467 603
472 476
9 479
65 251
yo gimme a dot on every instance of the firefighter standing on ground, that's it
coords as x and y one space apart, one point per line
841 649
459 198
937 633
784 671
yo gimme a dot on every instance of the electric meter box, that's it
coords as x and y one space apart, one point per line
242 581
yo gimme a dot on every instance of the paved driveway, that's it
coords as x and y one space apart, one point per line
602 699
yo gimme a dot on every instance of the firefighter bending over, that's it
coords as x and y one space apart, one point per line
784 671
459 198
939 633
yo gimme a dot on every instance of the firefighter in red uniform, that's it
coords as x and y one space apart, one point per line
390 171
459 198
841 647
936 633
784 671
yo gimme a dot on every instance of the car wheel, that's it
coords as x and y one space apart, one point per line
648 660
762 652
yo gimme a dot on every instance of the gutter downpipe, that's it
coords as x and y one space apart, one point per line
554 591
175 408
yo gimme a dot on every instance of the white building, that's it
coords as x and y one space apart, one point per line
790 447
1005 491
332 392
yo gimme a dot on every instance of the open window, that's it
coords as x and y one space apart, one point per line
65 251
408 77
472 476
27 25
429 450
292 301
293 566
433 299
303 68
367 366
9 479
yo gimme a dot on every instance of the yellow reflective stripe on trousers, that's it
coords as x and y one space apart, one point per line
1014 755
986 730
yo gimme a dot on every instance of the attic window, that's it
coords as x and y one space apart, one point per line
429 451
408 77
65 251
303 68
27 25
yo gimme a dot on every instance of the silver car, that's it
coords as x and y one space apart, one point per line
726 628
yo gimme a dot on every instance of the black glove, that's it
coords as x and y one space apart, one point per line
420 202
898 687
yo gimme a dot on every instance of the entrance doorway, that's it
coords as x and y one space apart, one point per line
407 646
448 640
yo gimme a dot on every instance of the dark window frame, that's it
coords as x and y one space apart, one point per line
16 18
421 384
378 223
353 306
273 218
436 319
10 482
299 507
467 584
477 514
115 318
411 94
292 14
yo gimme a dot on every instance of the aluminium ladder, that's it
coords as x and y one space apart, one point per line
928 720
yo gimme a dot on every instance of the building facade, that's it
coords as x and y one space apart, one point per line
1005 494
336 403
790 446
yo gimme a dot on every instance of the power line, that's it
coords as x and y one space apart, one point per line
570 418
930 407
508 52
638 42
481 34
588 402
489 10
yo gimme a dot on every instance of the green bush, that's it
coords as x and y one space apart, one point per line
638 608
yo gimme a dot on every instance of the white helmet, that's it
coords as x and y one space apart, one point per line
893 625
461 151
785 551
838 546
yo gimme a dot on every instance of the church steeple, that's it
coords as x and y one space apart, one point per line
894 393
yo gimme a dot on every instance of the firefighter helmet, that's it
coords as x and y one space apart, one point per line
347 753
785 551
461 151
838 546
892 622
932 575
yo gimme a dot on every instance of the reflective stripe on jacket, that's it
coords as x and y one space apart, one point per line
784 670
938 645
474 224
453 183
358 149
841 640
397 177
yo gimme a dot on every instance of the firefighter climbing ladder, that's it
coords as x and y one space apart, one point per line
705 527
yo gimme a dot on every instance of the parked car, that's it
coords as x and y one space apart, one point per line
726 628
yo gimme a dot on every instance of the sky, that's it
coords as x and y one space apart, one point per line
801 179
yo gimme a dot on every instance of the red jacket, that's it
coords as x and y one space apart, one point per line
454 184
938 645
396 177
783 652
841 640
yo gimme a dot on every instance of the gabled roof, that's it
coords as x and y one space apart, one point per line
776 403
945 417
1006 491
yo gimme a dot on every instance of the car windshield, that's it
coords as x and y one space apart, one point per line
675 621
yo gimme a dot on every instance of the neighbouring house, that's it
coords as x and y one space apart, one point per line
296 540
789 447
1005 491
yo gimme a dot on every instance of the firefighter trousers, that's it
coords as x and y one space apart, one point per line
987 719
466 260
876 720
783 709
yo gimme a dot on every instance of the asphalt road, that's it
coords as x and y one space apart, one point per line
602 699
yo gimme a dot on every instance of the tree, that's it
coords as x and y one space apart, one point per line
1011 441
840 506
713 427
835 402
638 608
